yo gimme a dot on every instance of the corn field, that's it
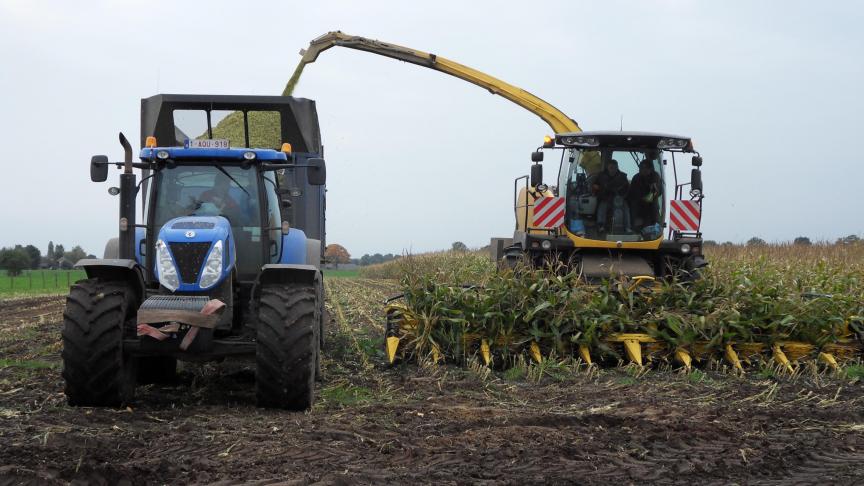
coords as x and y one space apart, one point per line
808 299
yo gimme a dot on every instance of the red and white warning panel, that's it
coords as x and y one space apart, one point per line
684 215
548 212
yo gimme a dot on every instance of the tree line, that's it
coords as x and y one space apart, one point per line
18 258
800 240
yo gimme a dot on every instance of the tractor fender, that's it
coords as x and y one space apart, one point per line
282 273
115 270
112 247
313 253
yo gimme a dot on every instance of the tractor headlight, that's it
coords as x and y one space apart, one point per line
162 154
546 245
249 155
165 265
685 248
212 267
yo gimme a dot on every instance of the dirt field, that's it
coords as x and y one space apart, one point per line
445 426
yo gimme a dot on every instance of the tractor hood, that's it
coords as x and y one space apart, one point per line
194 253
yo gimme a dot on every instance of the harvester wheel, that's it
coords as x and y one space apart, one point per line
287 346
94 367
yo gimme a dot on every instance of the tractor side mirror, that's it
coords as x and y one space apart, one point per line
696 180
99 168
536 175
537 156
316 173
697 161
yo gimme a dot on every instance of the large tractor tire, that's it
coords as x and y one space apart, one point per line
94 367
287 349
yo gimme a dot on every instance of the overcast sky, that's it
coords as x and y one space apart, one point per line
771 93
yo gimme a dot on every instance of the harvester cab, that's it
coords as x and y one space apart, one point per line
226 261
609 208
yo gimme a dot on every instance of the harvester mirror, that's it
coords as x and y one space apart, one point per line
697 161
316 173
537 156
99 168
696 180
536 175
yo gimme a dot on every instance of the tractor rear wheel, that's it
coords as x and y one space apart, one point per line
287 346
94 367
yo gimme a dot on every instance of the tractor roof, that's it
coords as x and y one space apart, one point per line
635 140
296 122
238 154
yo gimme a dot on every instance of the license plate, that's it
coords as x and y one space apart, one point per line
216 143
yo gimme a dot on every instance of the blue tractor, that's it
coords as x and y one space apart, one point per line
226 262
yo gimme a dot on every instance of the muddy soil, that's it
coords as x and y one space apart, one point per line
445 425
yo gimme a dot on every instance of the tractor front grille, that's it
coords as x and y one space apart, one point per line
189 258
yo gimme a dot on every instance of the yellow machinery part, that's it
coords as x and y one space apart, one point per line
828 359
634 350
555 118
392 346
683 357
534 349
732 358
485 352
780 357
585 353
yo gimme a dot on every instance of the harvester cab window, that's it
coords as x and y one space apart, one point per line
214 190
603 202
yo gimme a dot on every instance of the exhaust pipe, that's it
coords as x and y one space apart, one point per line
128 189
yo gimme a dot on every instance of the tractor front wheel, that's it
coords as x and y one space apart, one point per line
287 346
94 367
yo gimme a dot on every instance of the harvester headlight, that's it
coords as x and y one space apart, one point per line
165 266
249 155
162 154
212 267
672 143
685 248
546 245
580 140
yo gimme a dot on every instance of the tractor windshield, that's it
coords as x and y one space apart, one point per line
214 190
208 190
614 195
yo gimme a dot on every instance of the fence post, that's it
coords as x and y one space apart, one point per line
30 278
67 278
55 280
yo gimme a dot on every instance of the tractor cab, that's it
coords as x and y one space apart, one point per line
215 212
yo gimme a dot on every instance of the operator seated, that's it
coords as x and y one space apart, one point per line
611 187
644 197
219 196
